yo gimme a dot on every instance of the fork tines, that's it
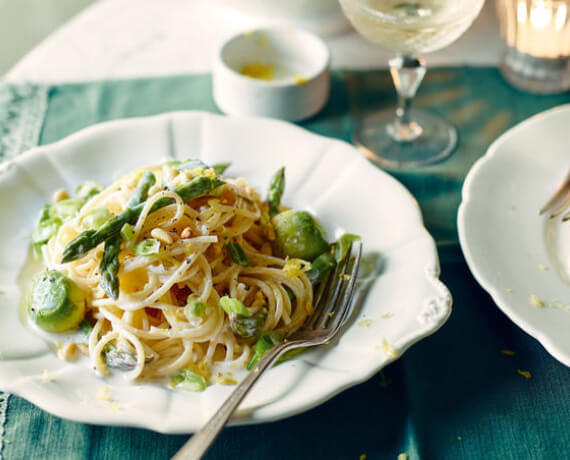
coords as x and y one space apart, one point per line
333 297
559 201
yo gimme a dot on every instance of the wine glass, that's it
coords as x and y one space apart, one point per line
411 137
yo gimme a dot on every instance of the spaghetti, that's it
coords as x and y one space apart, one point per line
177 264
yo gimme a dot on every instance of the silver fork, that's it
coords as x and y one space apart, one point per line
559 201
332 309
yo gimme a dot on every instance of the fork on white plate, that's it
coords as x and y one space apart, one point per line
559 201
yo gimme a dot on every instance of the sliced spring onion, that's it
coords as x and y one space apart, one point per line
127 233
67 209
95 218
46 229
265 343
234 306
320 266
237 254
188 380
147 247
194 307
343 245
88 190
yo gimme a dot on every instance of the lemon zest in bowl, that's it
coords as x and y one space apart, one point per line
299 80
258 70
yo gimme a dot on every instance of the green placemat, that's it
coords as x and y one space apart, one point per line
476 100
454 395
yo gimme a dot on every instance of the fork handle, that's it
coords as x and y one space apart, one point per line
199 443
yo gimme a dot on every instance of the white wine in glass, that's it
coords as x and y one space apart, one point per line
409 137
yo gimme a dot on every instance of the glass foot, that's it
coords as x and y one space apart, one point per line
435 140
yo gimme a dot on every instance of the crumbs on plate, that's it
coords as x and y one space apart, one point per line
104 394
526 374
388 349
535 301
46 376
225 379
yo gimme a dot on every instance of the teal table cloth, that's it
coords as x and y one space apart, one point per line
454 395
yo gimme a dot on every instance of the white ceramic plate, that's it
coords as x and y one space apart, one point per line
514 253
328 177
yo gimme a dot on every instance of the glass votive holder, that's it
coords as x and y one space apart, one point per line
537 34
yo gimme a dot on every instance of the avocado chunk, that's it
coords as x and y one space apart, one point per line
298 235
55 303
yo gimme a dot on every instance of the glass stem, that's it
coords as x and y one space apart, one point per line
407 73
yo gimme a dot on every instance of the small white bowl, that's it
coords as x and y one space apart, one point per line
295 64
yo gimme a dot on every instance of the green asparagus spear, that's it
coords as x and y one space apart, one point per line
191 164
275 191
90 239
109 267
220 168
141 192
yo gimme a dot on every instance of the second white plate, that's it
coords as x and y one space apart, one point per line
514 253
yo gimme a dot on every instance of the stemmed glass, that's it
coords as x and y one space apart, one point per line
411 137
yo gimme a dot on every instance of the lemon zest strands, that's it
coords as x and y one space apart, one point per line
294 268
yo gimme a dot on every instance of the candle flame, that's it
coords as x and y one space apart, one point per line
521 12
540 28
560 19
541 15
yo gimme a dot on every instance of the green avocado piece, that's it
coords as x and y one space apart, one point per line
299 235
55 303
